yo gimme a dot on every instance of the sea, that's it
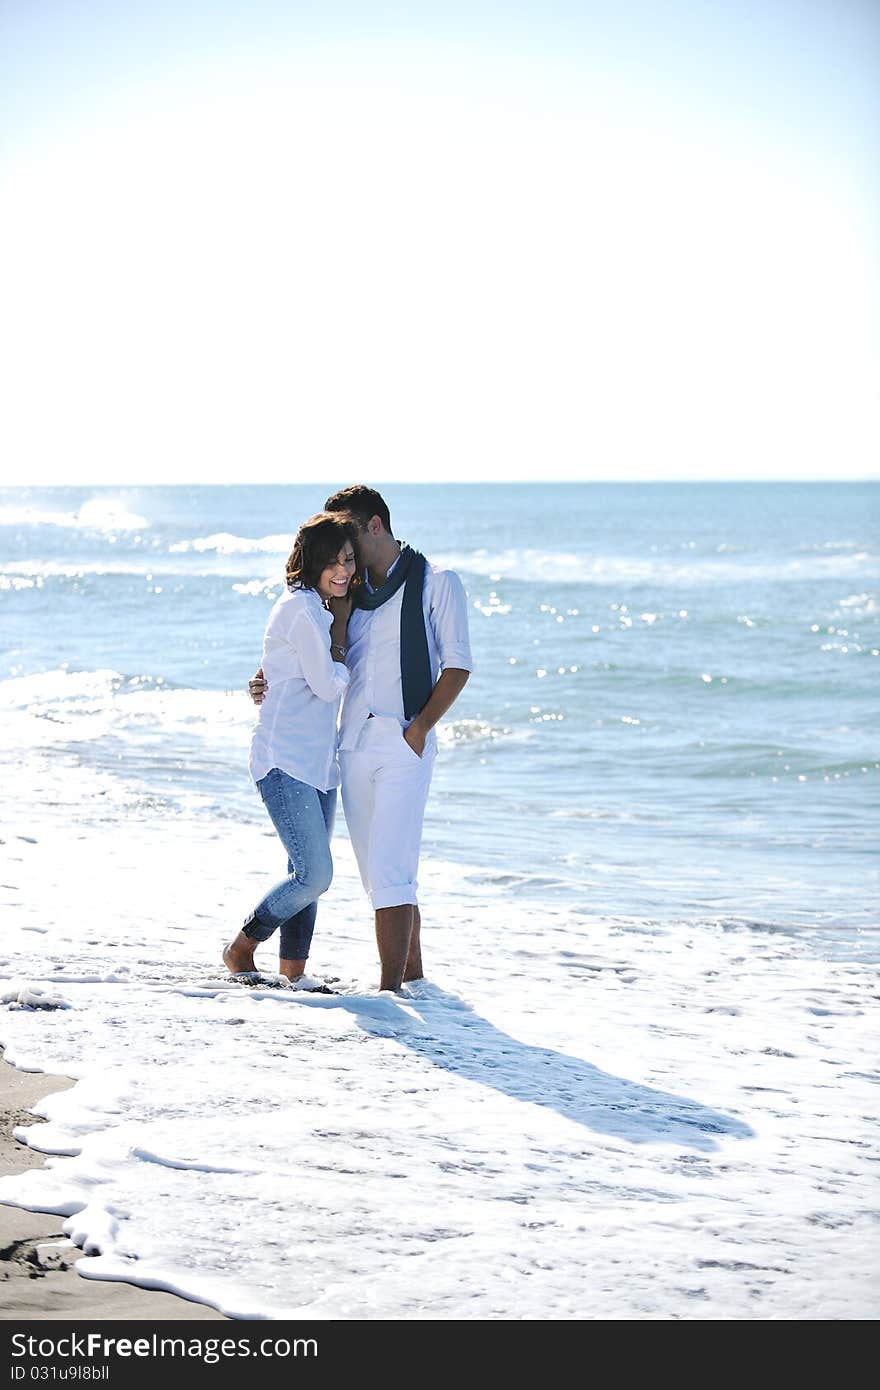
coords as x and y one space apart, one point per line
674 710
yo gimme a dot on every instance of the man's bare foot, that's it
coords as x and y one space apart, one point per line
238 956
291 969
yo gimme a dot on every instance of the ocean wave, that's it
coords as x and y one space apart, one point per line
77 705
55 569
859 606
259 588
556 566
48 687
819 546
224 543
59 707
99 514
29 574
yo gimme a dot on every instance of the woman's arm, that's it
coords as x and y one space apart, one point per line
341 610
323 670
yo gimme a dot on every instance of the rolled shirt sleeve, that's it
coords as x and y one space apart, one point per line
448 613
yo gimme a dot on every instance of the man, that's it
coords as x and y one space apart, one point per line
409 659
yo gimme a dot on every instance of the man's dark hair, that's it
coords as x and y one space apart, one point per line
318 542
362 503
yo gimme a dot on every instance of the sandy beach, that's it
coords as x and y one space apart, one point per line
678 1141
38 1276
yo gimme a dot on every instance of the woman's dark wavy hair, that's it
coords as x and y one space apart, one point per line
318 542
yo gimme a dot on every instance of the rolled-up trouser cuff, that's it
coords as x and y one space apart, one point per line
256 930
401 896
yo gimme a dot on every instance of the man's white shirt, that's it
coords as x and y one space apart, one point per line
373 660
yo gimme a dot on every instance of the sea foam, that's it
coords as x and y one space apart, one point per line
224 543
99 514
567 568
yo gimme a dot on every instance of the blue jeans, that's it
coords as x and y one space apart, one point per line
303 817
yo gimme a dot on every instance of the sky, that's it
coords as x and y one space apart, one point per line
274 242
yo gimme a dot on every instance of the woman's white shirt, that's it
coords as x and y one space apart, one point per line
296 726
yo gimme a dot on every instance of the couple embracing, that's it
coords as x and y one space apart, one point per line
368 622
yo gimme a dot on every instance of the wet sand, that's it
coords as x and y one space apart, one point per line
38 1278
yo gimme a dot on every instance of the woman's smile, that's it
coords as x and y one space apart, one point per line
336 577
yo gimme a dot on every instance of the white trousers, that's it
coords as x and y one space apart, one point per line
384 793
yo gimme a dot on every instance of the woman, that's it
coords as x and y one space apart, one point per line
293 751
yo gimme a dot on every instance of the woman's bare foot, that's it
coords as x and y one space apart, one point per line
238 956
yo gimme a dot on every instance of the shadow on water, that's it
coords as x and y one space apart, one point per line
446 1031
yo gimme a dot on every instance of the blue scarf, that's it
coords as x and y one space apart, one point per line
415 660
